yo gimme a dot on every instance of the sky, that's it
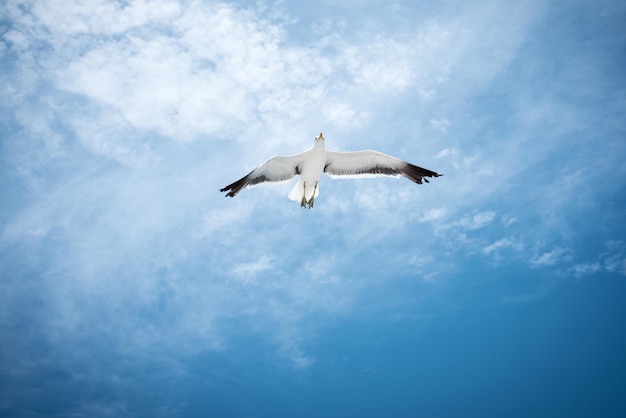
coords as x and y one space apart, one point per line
130 287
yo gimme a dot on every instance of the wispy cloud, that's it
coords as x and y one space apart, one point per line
247 271
494 249
440 125
613 260
477 220
552 257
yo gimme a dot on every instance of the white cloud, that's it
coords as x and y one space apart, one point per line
435 215
343 115
76 17
195 79
498 246
16 39
457 159
556 256
477 221
613 260
248 271
440 125
178 71
509 220
302 361
585 269
446 152
382 64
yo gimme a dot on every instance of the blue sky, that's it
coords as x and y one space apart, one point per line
130 287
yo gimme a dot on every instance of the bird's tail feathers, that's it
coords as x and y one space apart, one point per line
298 191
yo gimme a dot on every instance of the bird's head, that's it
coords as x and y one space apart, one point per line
320 138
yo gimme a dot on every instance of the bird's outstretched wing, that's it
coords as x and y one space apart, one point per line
373 163
276 168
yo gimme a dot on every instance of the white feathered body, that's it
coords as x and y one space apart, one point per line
312 170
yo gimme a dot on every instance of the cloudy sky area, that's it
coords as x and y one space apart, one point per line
131 287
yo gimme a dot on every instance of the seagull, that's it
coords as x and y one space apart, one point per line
312 163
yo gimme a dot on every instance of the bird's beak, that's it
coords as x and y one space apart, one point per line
319 138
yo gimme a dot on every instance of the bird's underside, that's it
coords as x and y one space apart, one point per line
312 163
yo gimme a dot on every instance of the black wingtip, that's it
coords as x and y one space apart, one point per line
230 193
419 174
235 187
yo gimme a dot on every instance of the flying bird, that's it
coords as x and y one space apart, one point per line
312 163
